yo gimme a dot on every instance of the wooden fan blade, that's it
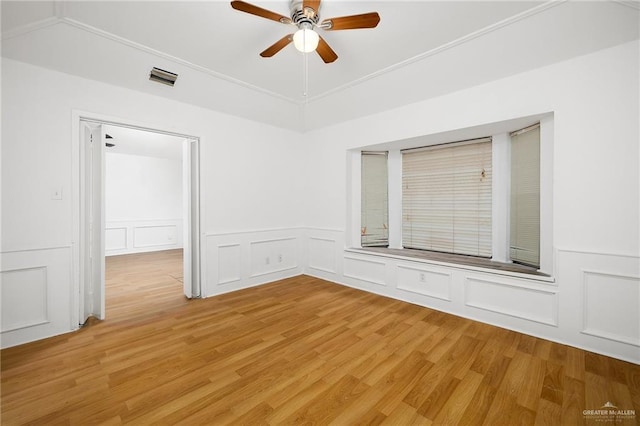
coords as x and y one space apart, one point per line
353 22
326 53
258 11
277 46
313 4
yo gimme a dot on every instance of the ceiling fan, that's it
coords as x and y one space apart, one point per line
305 16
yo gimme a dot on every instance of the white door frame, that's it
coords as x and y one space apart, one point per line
92 220
193 223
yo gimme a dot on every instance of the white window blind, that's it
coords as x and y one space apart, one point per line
374 203
525 196
446 198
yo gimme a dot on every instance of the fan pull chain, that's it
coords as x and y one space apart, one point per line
305 77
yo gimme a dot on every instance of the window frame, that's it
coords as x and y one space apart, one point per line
384 154
499 132
445 163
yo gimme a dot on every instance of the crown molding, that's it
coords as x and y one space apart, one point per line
633 4
29 28
61 20
166 56
465 39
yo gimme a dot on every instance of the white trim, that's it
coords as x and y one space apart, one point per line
78 116
273 271
319 268
426 293
333 243
30 27
228 245
360 278
552 293
464 39
61 19
333 240
255 231
36 249
314 228
541 278
610 336
585 314
628 3
272 240
46 319
598 253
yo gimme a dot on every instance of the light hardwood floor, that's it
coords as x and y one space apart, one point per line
301 350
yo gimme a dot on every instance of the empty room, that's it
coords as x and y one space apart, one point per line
346 212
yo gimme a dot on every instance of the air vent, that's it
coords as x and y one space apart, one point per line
162 76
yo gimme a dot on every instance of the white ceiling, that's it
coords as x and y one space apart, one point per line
420 49
144 143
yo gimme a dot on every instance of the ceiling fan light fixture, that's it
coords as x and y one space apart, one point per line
306 40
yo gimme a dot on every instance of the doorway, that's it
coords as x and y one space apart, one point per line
94 141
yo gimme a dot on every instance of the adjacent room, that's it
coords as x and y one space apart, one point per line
320 212
144 219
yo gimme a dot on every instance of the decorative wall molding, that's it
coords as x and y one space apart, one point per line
518 301
245 259
454 266
152 235
229 263
24 298
34 249
115 239
442 48
62 20
36 297
272 255
621 295
600 303
364 269
322 254
139 236
597 253
425 281
259 231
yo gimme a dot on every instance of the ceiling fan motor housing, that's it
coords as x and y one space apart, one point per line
303 17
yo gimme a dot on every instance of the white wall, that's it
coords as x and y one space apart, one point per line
143 203
596 204
250 175
275 202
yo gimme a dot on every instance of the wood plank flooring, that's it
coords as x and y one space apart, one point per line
300 350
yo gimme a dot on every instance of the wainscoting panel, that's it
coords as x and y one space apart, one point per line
24 298
229 263
365 269
600 302
234 261
424 281
273 255
35 294
115 239
322 254
154 235
604 291
527 303
139 236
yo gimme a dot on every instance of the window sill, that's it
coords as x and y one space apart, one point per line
457 261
